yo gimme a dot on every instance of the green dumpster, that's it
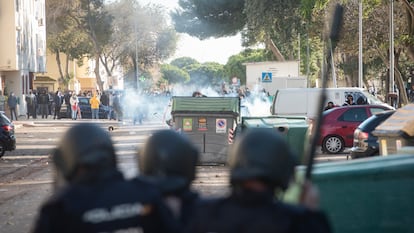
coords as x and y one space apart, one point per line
371 195
206 120
294 128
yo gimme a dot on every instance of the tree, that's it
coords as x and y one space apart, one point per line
206 74
173 74
142 37
235 66
64 38
184 62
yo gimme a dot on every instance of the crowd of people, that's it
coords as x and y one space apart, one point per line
92 195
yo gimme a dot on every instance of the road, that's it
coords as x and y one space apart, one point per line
26 174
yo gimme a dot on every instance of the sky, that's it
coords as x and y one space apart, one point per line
215 50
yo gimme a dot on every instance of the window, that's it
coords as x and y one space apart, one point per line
354 115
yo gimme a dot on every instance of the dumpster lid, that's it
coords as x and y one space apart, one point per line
274 121
205 104
400 123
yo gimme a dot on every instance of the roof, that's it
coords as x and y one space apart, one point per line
400 123
44 78
205 104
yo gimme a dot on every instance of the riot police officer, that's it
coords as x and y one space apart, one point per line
93 196
169 160
261 164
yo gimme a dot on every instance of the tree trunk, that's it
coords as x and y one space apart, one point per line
410 28
276 52
403 98
97 75
59 65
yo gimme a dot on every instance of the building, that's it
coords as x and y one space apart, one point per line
22 46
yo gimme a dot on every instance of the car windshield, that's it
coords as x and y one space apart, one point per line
372 99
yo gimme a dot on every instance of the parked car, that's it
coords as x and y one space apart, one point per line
365 143
105 112
339 124
7 138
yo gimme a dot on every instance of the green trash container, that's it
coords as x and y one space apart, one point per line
206 121
294 128
370 195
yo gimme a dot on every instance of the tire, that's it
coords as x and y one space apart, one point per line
333 145
2 151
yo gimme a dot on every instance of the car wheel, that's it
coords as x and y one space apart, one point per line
333 145
2 151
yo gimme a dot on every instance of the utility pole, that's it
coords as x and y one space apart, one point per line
360 61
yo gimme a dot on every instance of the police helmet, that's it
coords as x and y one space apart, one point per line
84 145
169 159
262 154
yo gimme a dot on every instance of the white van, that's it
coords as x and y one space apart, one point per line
305 101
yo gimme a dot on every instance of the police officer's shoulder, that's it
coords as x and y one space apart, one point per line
144 184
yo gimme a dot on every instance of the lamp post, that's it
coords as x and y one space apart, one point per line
360 61
391 46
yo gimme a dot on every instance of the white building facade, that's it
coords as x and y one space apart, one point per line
22 46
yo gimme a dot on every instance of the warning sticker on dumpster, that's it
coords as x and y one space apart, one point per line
202 124
221 125
187 124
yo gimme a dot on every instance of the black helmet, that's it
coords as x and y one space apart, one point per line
262 154
84 145
170 159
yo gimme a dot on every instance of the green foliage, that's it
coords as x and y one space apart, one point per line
174 74
206 18
205 74
183 62
235 65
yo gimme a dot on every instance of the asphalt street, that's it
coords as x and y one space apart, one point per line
26 174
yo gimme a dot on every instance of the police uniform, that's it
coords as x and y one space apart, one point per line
168 159
92 195
241 214
115 205
260 162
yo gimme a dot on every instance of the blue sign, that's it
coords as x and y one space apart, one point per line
266 77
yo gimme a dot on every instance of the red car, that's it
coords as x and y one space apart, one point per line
339 124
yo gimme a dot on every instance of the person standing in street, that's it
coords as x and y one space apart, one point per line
66 98
2 101
91 195
58 100
169 159
94 102
261 166
43 104
73 102
12 103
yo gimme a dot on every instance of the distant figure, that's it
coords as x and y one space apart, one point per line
12 103
2 101
66 98
361 101
58 99
94 102
43 101
30 102
329 106
198 94
349 100
74 101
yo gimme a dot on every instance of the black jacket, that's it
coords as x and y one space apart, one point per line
233 214
113 205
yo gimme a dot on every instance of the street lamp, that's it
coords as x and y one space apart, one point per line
360 61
